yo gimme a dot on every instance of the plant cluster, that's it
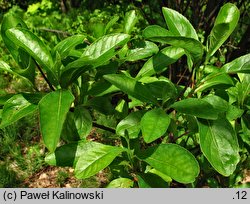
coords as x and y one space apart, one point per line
166 131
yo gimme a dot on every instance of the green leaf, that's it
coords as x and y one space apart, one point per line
69 132
11 20
160 61
64 47
215 80
130 86
130 125
196 107
5 67
67 155
35 47
97 156
239 65
174 161
154 124
224 25
16 108
150 180
23 59
245 123
111 23
101 88
178 24
121 183
83 121
155 31
101 104
104 48
141 50
53 110
129 21
217 102
219 144
190 45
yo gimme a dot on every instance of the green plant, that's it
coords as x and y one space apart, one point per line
166 131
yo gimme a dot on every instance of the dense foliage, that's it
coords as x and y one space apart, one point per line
174 97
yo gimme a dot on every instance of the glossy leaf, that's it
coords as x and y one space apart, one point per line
154 124
141 50
215 80
150 180
129 21
196 107
174 161
16 108
190 45
224 25
105 47
35 47
219 144
160 61
239 65
155 31
64 47
130 125
121 183
130 86
96 157
178 24
53 110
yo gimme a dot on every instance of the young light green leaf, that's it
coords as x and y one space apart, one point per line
174 161
224 25
53 110
160 61
129 21
154 124
130 125
215 80
16 108
219 144
178 24
105 47
141 50
131 86
35 47
239 65
96 157
196 107
64 47
121 183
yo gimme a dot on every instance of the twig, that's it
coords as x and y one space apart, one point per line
104 127
44 76
55 31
